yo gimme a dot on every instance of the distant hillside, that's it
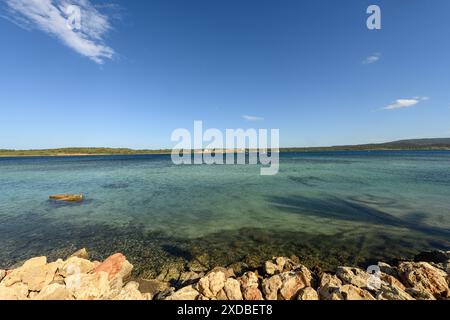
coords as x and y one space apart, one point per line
413 144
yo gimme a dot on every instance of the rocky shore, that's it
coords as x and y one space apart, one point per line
78 278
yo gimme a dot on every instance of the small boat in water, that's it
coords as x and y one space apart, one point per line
67 197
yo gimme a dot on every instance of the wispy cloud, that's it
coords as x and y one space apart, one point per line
51 17
405 103
252 118
372 58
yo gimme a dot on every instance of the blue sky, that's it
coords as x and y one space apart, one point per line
137 70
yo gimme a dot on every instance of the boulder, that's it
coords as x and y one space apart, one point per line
351 292
130 292
232 289
249 286
89 286
212 283
35 273
390 280
54 292
76 265
287 285
307 293
82 253
329 287
387 269
115 266
17 291
419 295
152 286
424 277
186 293
354 276
391 292
278 265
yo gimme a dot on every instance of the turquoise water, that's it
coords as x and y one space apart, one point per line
327 208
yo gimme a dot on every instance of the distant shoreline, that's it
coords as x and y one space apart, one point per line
39 153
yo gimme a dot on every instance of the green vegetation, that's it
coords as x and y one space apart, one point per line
417 144
78 151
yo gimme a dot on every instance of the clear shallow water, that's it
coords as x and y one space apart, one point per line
328 208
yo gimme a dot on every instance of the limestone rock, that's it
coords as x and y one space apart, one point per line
278 265
17 291
307 293
54 292
82 253
2 274
249 286
287 285
130 292
186 293
391 292
115 266
152 286
89 286
329 287
212 283
387 269
424 277
351 292
35 262
76 265
300 278
390 280
232 289
354 276
35 273
271 286
419 295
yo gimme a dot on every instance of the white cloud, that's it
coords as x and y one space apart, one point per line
50 16
372 58
405 103
252 118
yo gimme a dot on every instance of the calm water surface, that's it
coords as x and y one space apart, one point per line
327 208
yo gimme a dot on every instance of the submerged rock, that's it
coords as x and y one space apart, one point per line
152 286
67 197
